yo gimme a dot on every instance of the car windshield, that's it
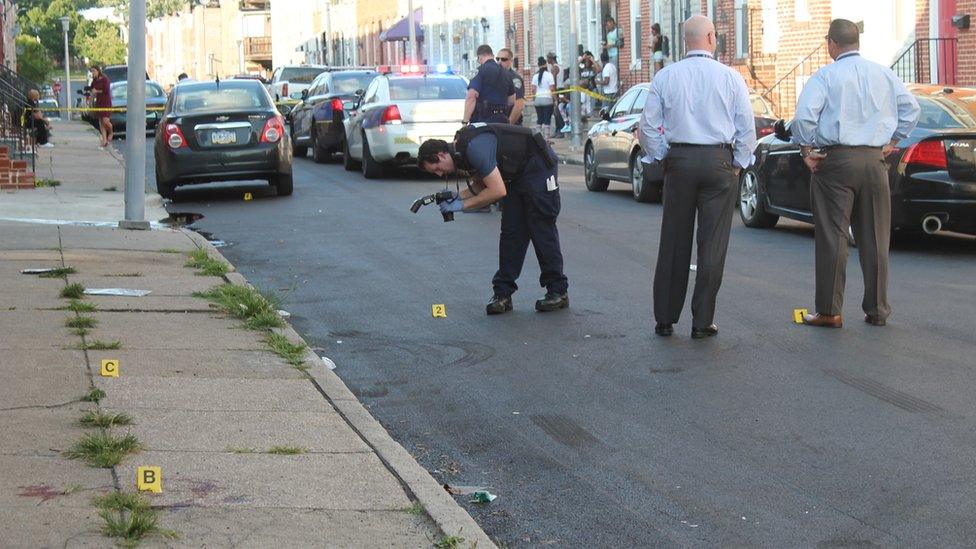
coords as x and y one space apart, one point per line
347 84
408 89
759 106
120 91
943 113
300 75
228 96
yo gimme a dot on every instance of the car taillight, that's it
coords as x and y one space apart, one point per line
337 104
391 115
173 136
274 128
284 90
927 153
765 131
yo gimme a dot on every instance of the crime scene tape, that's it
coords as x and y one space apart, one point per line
581 89
123 109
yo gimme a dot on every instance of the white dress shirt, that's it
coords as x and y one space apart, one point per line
698 100
854 102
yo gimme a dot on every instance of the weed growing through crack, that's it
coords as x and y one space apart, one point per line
209 266
129 518
59 272
47 183
103 449
99 345
169 251
417 509
72 489
293 353
286 450
73 291
449 542
104 419
126 275
80 332
79 306
245 303
94 395
81 322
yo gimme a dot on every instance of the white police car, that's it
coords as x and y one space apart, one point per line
400 109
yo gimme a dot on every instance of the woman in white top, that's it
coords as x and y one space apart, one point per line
543 85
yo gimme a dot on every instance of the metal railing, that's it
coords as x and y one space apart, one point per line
257 47
783 94
14 132
914 65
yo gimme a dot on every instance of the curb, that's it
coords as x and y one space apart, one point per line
440 506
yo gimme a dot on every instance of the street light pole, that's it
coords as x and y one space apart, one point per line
574 74
135 121
65 22
412 51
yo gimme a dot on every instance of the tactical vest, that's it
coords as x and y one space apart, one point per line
515 146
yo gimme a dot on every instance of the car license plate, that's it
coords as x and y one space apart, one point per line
223 137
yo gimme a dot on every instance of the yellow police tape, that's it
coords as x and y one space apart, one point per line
580 89
123 109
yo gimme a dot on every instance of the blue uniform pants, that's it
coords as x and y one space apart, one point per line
529 212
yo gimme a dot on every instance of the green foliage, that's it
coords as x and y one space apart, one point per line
103 449
286 450
99 345
33 61
43 20
104 419
293 353
209 266
73 291
449 542
100 42
81 322
94 395
81 306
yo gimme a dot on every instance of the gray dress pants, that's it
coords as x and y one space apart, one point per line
850 189
697 180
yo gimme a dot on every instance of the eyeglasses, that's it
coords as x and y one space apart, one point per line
501 59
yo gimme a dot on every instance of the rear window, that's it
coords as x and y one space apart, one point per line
408 89
349 83
223 98
300 75
944 113
120 91
759 106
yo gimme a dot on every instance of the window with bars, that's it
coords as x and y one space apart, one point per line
741 29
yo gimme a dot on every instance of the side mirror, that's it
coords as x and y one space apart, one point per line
304 95
604 114
782 131
360 92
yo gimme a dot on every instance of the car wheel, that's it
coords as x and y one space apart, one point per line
348 162
319 155
644 190
283 183
371 168
298 151
751 208
593 183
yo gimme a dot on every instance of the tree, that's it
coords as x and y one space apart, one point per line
154 8
33 62
100 42
43 20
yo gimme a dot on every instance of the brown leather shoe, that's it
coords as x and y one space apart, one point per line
875 320
823 321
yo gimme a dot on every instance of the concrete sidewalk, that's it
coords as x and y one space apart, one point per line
253 450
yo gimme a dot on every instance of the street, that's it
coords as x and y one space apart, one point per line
591 430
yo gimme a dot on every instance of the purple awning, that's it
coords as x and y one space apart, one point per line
400 32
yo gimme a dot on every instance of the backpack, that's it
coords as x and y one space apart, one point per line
665 46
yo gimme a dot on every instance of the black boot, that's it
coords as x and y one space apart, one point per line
499 304
552 302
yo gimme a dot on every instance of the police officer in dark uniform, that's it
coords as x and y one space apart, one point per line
515 165
506 58
491 93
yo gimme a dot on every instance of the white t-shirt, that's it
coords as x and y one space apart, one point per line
543 87
609 71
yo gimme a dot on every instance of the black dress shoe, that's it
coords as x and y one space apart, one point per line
699 333
663 330
552 302
875 320
499 304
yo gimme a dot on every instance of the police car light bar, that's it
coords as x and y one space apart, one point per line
441 68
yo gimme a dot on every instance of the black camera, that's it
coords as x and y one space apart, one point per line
439 197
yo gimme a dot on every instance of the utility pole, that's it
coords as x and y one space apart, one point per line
412 50
135 122
65 22
574 96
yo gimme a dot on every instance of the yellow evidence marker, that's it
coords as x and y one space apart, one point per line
798 315
149 479
247 196
439 311
110 367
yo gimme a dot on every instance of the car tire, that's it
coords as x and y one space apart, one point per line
319 155
593 183
283 183
297 151
644 190
752 209
371 168
348 162
166 189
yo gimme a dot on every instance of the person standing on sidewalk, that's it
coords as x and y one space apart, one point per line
506 58
853 112
558 81
490 93
658 47
101 89
542 88
698 120
608 78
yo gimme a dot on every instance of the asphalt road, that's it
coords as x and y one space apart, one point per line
592 431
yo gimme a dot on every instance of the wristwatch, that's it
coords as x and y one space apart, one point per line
805 151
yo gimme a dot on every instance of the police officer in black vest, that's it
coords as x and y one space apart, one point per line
491 93
515 165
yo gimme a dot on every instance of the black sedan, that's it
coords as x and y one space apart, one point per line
932 173
155 100
221 131
317 122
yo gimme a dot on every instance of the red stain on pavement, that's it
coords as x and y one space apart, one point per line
40 491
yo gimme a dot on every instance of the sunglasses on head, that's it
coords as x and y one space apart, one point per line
501 59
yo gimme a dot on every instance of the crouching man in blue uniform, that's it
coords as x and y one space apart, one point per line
515 165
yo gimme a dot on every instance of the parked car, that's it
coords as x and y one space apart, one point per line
932 173
288 81
318 121
402 107
762 111
612 152
155 100
221 131
50 108
118 73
